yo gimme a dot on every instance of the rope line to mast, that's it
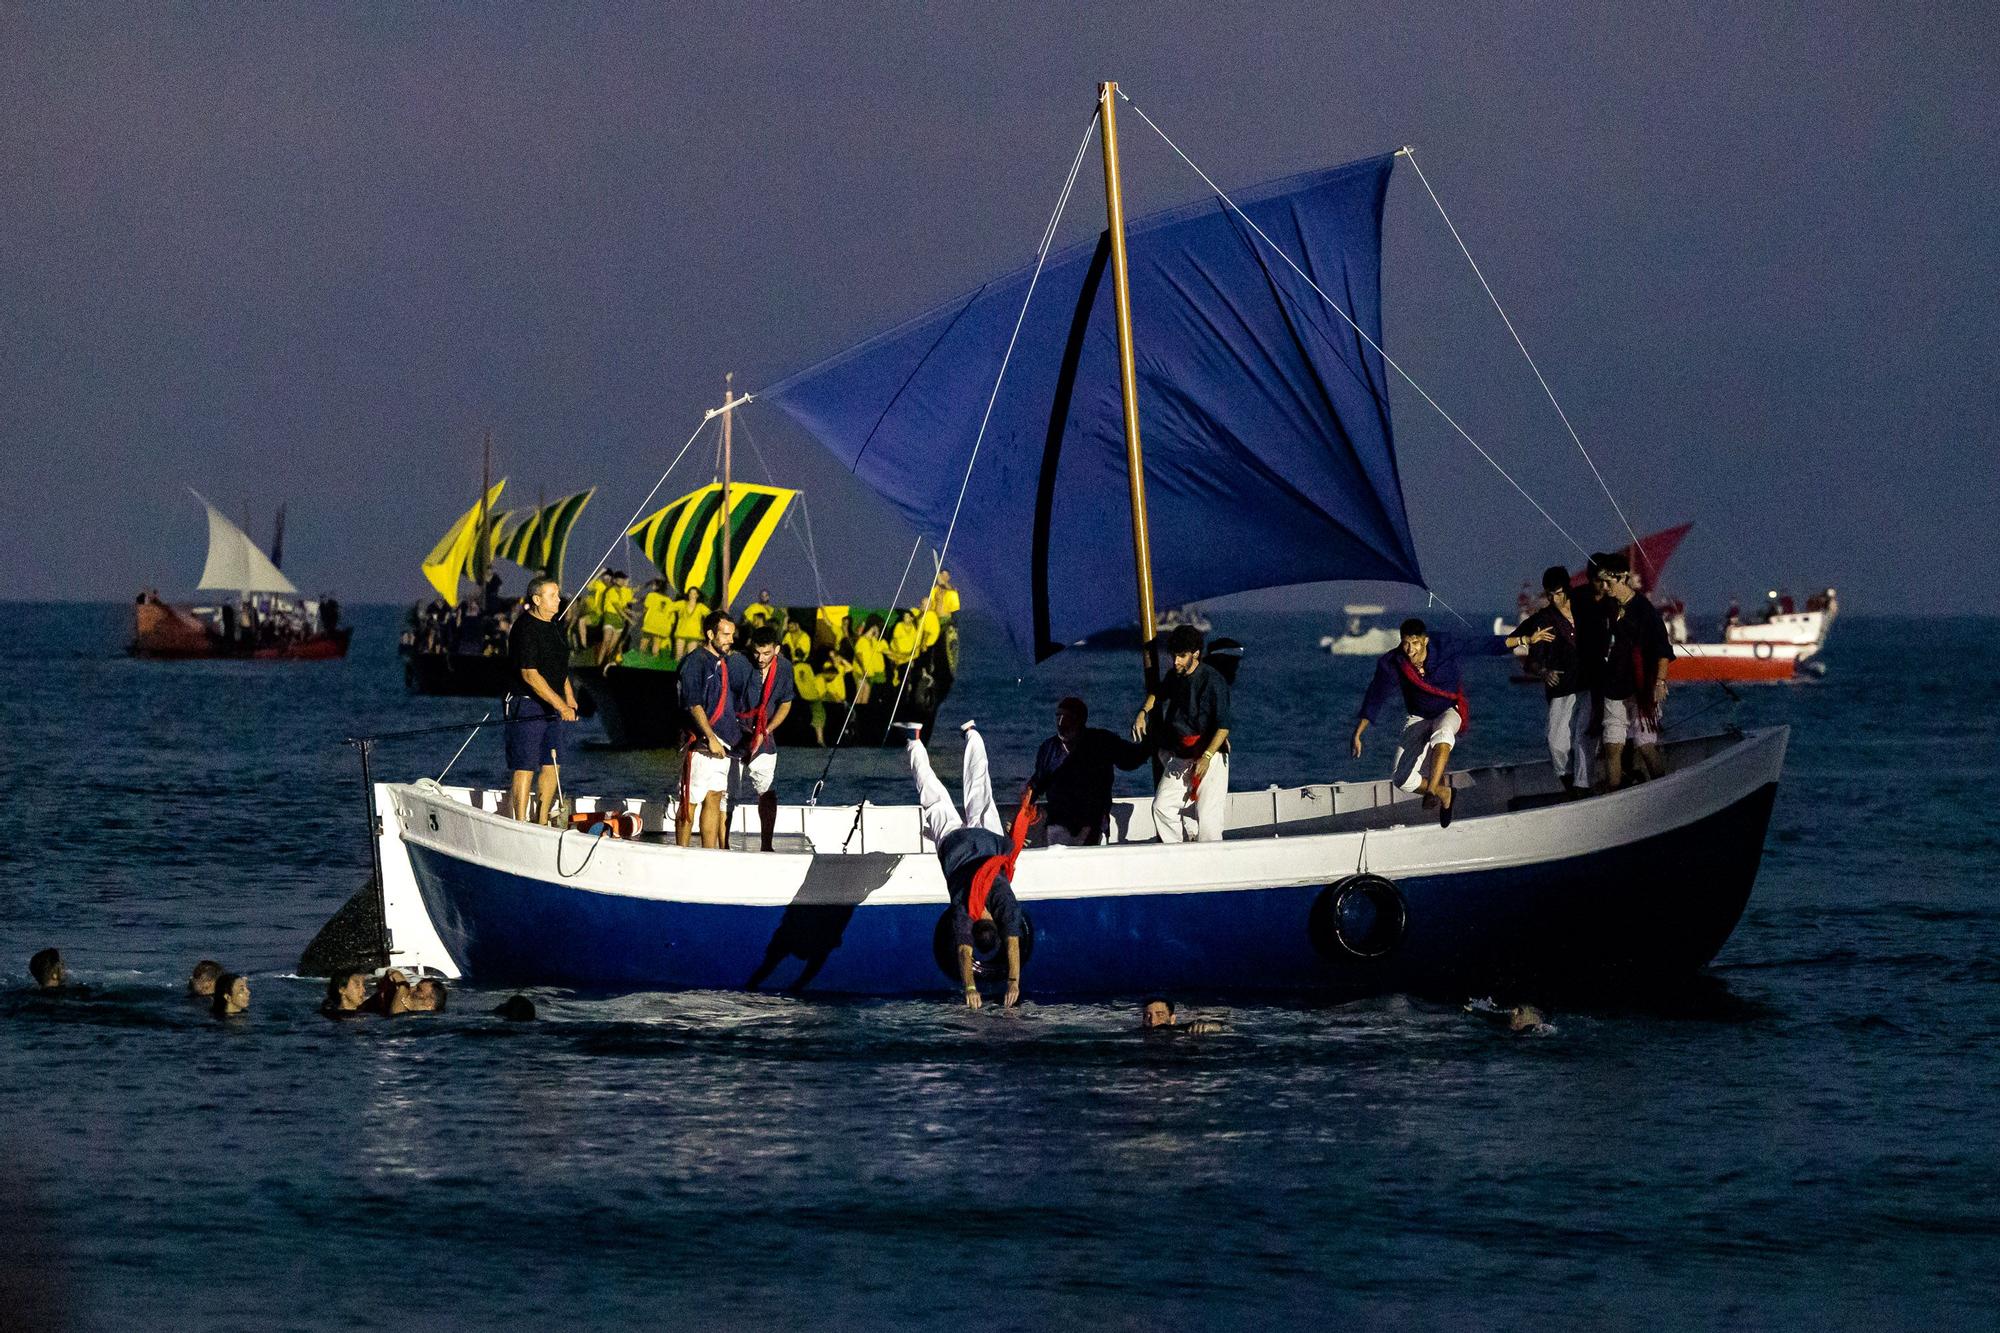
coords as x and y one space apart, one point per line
1411 155
1006 358
1041 259
834 750
626 527
1360 332
623 529
805 539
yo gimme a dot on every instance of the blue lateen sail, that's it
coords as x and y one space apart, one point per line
1265 416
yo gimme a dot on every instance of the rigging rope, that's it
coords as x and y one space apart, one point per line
1041 259
805 539
598 568
1374 346
1411 154
834 750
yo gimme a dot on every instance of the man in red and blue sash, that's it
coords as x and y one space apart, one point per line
764 698
1428 674
710 732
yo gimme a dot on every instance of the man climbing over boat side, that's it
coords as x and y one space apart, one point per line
763 701
1635 679
1549 635
1191 735
710 733
543 705
1428 672
1073 773
977 856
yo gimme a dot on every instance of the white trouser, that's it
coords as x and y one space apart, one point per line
1569 737
940 816
1421 737
1180 819
759 772
708 775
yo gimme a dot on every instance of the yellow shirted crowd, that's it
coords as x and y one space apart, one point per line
835 659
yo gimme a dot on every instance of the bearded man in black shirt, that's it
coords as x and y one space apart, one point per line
1187 719
543 703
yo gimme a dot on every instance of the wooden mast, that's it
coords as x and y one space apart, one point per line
479 545
1135 464
728 413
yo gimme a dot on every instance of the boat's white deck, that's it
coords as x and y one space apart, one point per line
1319 808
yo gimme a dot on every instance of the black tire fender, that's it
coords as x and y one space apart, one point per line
1359 916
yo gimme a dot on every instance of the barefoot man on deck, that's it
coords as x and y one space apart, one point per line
1427 673
544 703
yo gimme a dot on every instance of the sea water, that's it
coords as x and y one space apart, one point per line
1805 1134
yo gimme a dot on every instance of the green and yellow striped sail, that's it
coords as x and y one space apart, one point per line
452 558
685 538
539 538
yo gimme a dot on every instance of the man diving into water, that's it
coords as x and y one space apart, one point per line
976 855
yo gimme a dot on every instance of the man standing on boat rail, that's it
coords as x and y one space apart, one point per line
1427 672
1191 735
543 704
978 858
710 733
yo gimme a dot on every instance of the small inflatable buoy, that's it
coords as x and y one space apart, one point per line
1361 916
989 950
614 823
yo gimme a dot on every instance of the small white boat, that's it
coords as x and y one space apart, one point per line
1361 637
1269 463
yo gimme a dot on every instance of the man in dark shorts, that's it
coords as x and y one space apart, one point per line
543 704
965 848
1073 773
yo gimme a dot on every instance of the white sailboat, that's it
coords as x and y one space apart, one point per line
1273 464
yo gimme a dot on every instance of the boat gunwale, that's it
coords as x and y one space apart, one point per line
1238 864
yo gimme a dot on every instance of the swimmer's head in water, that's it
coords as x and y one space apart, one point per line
1525 1017
517 1009
231 994
346 990
202 981
428 996
1157 1012
47 969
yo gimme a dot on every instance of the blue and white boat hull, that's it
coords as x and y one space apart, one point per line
1345 889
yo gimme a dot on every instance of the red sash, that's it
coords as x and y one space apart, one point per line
1190 748
691 735
1457 697
995 866
754 720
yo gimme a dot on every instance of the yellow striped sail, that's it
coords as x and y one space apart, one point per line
685 538
451 559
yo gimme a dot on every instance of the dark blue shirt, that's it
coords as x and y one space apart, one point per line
1074 775
706 682
748 687
1444 669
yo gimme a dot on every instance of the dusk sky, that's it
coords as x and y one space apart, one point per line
311 254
